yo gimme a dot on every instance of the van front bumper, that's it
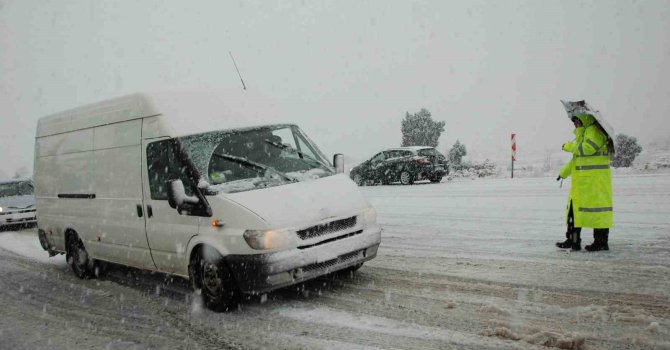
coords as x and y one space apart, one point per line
259 273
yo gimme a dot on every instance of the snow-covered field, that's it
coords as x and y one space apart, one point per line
464 264
512 225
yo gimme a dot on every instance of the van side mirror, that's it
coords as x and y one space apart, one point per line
338 163
177 197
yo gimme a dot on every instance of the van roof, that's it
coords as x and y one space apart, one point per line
186 111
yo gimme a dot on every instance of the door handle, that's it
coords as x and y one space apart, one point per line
150 212
139 210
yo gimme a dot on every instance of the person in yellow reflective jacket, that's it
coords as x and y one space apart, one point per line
590 200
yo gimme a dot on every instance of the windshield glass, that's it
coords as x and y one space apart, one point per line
243 160
16 189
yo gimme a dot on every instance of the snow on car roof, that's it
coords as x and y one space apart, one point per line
409 148
186 111
12 181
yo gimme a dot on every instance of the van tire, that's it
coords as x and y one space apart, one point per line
81 263
212 278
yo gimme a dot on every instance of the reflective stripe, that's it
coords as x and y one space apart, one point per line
592 167
581 150
604 153
593 144
595 210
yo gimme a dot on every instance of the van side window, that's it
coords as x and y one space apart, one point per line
163 164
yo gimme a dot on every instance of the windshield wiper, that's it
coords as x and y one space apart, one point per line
253 165
301 154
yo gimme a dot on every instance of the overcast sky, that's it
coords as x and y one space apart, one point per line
348 71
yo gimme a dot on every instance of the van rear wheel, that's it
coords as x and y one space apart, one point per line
80 262
211 276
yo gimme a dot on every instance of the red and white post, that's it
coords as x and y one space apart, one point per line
513 152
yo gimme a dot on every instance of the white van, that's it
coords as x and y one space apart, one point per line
201 185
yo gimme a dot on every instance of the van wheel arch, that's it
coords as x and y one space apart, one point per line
211 277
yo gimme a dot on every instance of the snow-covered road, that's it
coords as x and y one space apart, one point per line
466 264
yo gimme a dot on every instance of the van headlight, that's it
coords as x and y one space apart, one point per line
370 215
267 239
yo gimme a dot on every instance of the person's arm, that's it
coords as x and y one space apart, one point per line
592 141
566 170
570 146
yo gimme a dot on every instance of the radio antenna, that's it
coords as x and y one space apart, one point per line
238 71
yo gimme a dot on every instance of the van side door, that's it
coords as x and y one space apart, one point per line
168 231
113 224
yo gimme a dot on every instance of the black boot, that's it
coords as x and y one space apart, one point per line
568 241
576 241
600 238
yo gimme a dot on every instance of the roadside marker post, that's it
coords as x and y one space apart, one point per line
513 152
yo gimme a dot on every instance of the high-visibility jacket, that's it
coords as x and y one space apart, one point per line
591 190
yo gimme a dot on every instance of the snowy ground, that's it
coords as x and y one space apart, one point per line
466 264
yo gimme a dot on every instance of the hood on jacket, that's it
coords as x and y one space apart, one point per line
586 119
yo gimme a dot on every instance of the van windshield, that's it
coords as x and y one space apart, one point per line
248 159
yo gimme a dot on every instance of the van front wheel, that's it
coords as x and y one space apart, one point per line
213 279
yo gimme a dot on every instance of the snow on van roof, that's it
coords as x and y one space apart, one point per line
186 111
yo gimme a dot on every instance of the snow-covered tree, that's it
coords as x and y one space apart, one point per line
419 129
456 153
626 151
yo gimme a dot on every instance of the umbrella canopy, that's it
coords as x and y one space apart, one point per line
574 108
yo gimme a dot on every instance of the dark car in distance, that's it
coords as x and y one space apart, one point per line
404 165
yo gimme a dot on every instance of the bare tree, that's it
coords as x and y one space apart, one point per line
546 165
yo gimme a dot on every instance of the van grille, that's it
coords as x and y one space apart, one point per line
331 240
329 227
